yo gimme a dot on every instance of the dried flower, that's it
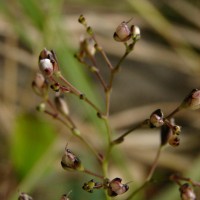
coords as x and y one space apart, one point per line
192 101
24 196
156 119
116 187
70 161
187 192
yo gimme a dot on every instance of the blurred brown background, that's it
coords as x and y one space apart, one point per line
159 73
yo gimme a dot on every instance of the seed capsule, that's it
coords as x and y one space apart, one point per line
70 161
116 187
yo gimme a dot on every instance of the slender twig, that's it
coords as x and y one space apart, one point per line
93 174
154 165
121 138
173 112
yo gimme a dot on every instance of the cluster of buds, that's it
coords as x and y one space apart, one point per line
170 133
71 162
48 63
187 192
24 196
114 187
123 32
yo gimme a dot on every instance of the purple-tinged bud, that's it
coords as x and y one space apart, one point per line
122 33
24 196
156 119
71 162
192 101
116 187
48 62
187 192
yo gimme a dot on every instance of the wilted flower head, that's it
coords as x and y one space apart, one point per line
116 187
192 101
23 196
70 161
47 62
187 192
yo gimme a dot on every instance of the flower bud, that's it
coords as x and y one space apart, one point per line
61 105
192 101
187 192
71 162
91 185
48 62
135 32
40 85
41 107
122 33
46 67
82 20
174 140
24 196
116 187
156 119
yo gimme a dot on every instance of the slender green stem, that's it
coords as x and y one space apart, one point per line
93 174
97 73
137 190
149 176
90 147
78 93
121 138
173 112
154 165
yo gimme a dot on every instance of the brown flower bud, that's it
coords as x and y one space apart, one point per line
192 101
156 119
70 161
40 85
61 105
116 187
187 192
24 196
174 140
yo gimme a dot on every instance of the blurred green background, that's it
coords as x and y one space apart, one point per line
163 68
